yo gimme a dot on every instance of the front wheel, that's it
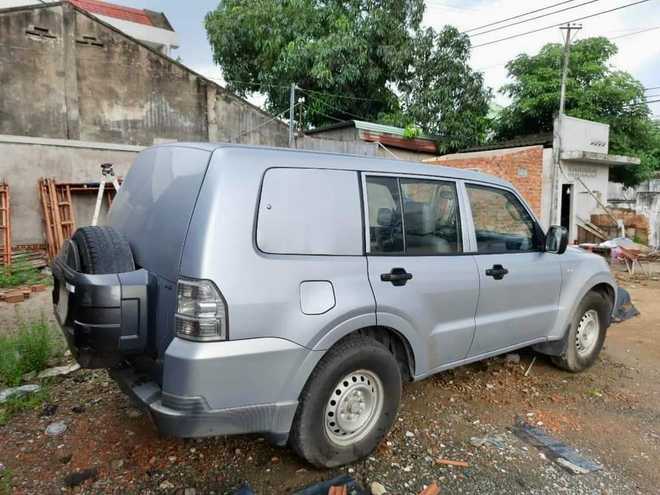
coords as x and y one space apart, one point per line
348 404
586 334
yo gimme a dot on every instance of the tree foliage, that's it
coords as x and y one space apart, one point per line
366 59
594 91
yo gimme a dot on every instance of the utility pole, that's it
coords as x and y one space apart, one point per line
292 116
555 215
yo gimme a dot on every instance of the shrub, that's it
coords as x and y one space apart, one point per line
27 350
20 273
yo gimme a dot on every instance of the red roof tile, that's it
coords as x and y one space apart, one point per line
113 10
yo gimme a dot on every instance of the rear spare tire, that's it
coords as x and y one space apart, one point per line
101 250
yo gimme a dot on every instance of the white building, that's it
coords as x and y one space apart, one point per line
152 28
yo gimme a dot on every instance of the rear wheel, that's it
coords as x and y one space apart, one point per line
586 334
100 250
348 404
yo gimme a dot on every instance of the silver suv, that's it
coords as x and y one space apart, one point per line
241 289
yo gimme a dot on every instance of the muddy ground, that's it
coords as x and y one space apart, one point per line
610 413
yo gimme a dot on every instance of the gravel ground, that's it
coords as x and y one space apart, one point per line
611 414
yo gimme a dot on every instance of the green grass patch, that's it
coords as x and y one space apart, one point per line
5 481
26 350
17 405
21 273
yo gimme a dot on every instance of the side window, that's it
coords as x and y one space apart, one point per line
310 212
501 223
426 209
385 228
430 217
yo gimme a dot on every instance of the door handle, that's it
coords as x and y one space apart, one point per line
497 272
398 276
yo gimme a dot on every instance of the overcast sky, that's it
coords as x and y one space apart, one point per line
639 53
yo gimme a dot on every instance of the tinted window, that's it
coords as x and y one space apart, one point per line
430 215
501 223
385 228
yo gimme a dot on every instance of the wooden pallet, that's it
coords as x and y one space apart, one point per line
5 225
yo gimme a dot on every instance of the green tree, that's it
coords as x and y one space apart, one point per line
364 59
441 93
594 91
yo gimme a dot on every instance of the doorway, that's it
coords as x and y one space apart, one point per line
566 197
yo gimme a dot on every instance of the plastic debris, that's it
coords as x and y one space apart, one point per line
58 371
625 309
572 461
9 393
496 441
323 487
56 428
244 489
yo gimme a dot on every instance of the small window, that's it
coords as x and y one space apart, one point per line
426 209
501 223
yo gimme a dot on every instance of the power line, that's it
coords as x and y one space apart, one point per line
249 131
337 109
517 16
653 87
636 32
534 18
560 24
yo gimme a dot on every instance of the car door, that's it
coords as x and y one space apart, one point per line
519 283
420 277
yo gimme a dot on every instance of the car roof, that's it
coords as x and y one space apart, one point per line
321 159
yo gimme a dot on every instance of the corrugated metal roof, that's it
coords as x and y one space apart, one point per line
385 129
122 12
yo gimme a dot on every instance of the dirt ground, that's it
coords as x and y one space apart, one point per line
611 414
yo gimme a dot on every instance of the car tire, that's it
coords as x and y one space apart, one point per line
365 378
586 335
101 250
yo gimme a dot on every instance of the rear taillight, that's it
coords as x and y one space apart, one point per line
201 311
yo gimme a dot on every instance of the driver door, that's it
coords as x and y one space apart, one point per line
519 282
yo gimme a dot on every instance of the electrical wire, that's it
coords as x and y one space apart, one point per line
560 24
517 16
249 131
636 32
534 18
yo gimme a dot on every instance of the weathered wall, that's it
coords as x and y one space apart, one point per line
24 163
523 167
129 94
32 98
74 77
239 122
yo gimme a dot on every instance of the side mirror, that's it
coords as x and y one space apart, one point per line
556 240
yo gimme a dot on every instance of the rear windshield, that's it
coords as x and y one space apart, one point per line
155 203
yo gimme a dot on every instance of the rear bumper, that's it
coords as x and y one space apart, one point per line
189 417
224 388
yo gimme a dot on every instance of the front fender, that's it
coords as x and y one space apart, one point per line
574 288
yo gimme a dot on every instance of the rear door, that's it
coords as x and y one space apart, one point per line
519 295
417 268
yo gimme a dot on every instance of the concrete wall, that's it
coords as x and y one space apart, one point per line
26 160
65 74
32 95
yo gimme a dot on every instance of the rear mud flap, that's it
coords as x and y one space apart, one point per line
625 310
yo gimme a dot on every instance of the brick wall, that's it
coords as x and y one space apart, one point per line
523 167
